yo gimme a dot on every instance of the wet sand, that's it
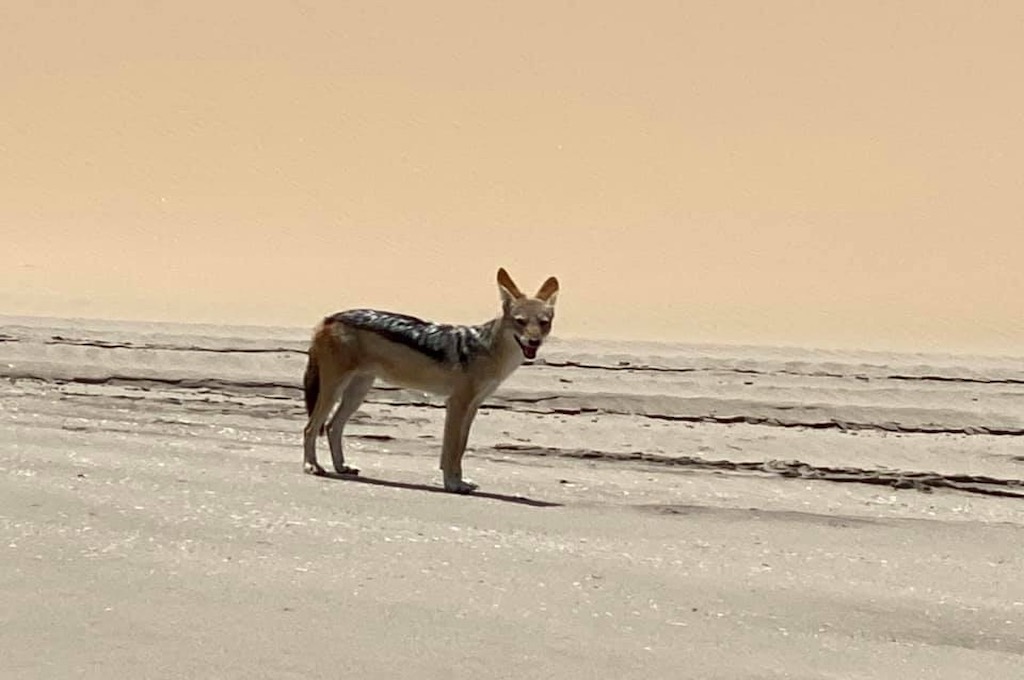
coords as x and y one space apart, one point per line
646 510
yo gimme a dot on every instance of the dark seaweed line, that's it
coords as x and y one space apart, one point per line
104 344
946 378
186 383
644 368
897 479
843 425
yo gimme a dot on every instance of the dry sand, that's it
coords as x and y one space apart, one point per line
647 511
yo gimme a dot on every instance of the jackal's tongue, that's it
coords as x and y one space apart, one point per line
529 352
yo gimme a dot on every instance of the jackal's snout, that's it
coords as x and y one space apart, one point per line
529 346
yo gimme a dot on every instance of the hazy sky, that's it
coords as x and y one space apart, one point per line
842 174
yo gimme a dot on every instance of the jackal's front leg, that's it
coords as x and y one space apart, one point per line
458 419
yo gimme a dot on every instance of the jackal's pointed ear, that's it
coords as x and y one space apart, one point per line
508 288
549 291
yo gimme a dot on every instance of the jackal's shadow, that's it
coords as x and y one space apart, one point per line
362 479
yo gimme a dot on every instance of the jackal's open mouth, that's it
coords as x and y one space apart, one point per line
529 351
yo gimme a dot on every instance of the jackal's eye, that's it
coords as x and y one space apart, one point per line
520 321
544 323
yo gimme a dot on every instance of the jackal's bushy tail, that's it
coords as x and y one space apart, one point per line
311 382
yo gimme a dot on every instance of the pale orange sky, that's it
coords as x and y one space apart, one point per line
801 173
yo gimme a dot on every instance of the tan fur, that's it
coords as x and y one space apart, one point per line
345 361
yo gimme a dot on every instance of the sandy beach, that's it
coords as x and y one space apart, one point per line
753 180
646 511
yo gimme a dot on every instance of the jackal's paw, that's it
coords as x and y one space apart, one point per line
458 485
313 469
346 470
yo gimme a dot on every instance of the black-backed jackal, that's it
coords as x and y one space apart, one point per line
465 364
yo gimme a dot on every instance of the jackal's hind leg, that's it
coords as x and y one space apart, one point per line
352 397
330 390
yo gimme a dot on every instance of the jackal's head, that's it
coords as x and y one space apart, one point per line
528 319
